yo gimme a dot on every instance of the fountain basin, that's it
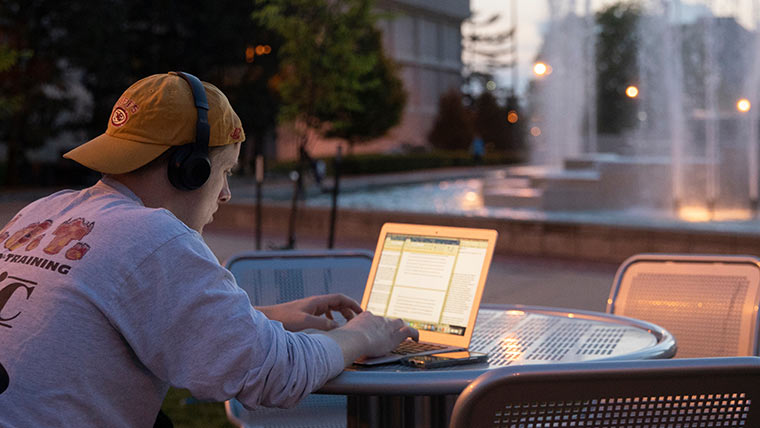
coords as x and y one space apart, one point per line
594 182
597 235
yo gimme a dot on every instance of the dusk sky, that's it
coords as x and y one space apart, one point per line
533 15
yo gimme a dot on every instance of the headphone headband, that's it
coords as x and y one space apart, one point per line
202 129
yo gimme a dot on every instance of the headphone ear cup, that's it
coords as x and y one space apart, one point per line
188 169
196 170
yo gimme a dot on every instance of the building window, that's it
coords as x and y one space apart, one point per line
428 31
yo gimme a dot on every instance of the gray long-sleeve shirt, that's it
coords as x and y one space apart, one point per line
105 303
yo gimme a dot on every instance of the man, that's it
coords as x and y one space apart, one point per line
109 295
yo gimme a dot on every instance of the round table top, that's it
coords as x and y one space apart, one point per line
517 334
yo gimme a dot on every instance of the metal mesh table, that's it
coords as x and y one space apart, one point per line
397 395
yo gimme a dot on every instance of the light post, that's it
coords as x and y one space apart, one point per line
743 106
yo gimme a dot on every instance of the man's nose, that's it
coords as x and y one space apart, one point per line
225 195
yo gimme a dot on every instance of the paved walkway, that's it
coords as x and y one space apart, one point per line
512 279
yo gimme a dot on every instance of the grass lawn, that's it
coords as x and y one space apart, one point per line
188 413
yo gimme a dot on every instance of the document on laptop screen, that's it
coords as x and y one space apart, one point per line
430 282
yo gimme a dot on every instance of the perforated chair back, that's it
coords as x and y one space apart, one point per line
271 277
683 393
708 303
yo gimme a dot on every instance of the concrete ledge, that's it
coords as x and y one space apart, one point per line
603 243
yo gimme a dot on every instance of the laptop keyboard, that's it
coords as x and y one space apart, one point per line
408 347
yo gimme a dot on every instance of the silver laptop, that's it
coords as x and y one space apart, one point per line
432 277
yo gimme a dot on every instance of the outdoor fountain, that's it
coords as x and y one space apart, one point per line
692 150
682 179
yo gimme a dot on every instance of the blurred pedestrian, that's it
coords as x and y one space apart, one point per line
478 149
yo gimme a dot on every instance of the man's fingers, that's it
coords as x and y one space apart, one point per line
340 301
410 332
334 302
343 304
347 313
402 330
320 323
398 324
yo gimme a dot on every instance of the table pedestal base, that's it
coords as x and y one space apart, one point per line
399 411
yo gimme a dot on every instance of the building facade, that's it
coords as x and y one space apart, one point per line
424 38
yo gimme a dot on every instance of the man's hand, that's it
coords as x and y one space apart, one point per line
370 335
307 313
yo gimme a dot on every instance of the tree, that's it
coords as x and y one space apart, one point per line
214 40
382 98
489 121
616 66
106 46
330 68
486 47
8 59
452 128
330 59
31 81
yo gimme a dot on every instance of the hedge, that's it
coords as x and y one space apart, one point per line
385 163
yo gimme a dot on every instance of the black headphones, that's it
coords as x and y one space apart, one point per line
189 165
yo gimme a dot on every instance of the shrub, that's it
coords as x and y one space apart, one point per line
386 163
452 128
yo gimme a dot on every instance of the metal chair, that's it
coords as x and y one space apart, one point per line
683 393
708 302
271 277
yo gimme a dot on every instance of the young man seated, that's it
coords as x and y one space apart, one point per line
109 295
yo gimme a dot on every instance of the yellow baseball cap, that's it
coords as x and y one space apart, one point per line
151 116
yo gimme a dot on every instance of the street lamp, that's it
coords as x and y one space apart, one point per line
542 69
632 91
743 105
251 52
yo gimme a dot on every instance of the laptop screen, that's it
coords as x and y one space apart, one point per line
430 282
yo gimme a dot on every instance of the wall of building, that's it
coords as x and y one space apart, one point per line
424 38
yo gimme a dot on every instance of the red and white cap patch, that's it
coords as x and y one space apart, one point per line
119 117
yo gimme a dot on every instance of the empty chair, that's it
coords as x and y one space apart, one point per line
683 393
271 277
708 303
